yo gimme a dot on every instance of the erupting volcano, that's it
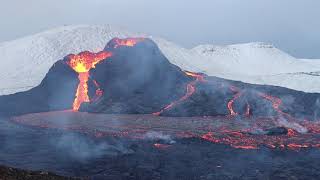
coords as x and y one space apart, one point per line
132 76
83 62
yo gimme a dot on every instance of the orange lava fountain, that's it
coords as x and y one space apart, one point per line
85 61
82 64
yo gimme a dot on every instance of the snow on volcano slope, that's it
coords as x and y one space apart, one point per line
253 59
25 61
260 63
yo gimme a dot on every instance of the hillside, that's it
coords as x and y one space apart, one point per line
25 61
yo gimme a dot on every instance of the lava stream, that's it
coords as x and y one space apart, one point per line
231 102
85 61
82 91
82 64
99 91
191 88
276 103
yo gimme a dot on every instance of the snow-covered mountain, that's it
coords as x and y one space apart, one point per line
24 62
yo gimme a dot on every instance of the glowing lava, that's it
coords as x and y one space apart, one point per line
276 103
130 42
253 134
191 88
85 61
82 64
231 102
244 138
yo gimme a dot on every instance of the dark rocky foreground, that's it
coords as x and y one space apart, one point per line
7 173
77 155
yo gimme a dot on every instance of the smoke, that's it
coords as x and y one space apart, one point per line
156 136
292 125
83 148
80 146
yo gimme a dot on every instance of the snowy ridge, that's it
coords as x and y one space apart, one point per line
25 61
253 59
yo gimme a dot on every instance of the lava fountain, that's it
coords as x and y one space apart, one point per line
82 64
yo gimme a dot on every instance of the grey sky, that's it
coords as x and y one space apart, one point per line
291 25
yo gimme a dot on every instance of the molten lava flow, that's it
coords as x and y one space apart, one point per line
99 91
191 88
82 64
85 61
199 77
276 103
291 132
231 102
82 90
126 42
219 130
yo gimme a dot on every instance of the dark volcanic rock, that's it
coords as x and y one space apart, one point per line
7 173
55 92
137 80
277 131
212 98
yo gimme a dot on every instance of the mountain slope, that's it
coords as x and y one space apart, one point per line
25 61
253 59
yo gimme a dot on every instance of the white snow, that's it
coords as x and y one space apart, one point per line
24 62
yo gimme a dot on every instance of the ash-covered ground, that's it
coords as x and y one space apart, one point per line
157 156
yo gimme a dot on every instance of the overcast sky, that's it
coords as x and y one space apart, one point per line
291 25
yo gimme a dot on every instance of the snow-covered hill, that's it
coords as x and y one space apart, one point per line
24 62
253 59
